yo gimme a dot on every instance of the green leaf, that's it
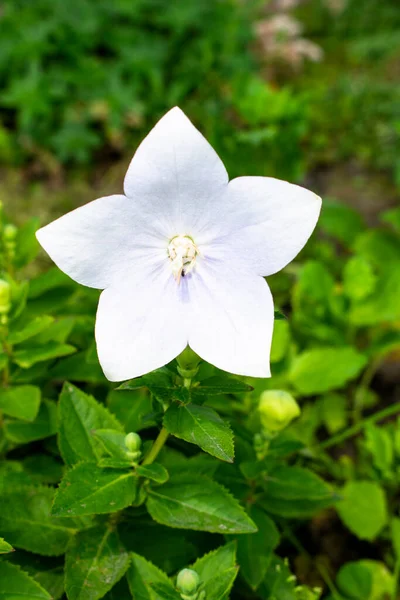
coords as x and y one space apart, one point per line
45 425
26 521
29 357
296 492
133 408
78 368
255 549
201 425
112 441
355 581
217 571
15 584
142 576
30 329
395 530
333 409
380 444
359 279
363 508
21 402
280 341
80 414
95 561
87 489
323 369
341 222
155 472
5 547
161 384
220 384
196 502
382 306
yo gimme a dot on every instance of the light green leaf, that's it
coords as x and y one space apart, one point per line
95 561
80 414
380 444
26 522
383 305
45 425
395 530
217 571
333 409
363 508
280 341
323 369
142 576
196 502
133 408
29 357
341 222
87 489
30 329
359 279
220 384
201 425
15 584
255 549
5 547
78 368
112 441
21 402
155 472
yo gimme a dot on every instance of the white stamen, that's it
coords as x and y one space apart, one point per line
182 252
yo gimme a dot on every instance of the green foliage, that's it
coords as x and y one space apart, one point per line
363 508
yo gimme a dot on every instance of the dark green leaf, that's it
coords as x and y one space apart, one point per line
95 561
217 571
196 502
201 425
80 414
155 472
45 425
255 550
28 358
15 584
142 576
26 522
28 330
133 408
87 489
21 402
221 384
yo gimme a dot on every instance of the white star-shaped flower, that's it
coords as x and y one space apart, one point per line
182 255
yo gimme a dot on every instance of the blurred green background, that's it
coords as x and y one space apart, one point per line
304 90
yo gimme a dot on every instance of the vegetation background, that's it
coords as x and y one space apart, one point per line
304 90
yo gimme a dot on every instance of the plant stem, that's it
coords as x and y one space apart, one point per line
351 431
156 447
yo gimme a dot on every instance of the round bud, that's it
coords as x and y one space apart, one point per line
5 297
188 363
133 442
187 581
10 233
277 409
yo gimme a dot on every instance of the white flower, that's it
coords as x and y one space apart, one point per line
182 255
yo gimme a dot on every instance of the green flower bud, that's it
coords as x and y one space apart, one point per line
277 409
187 582
133 442
5 297
188 363
10 233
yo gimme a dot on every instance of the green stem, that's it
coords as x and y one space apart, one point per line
156 447
351 431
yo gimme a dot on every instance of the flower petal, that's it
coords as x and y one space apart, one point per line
231 319
175 175
103 241
262 223
140 326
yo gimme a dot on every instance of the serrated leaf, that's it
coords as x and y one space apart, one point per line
142 575
30 329
363 508
87 489
5 547
29 357
26 521
201 425
81 414
108 462
196 502
21 402
165 591
161 384
45 425
95 561
133 408
155 472
323 369
217 571
255 550
15 584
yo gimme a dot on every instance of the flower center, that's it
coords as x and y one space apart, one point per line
182 252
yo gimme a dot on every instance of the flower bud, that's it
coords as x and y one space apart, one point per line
133 442
187 583
188 363
10 233
277 409
5 297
